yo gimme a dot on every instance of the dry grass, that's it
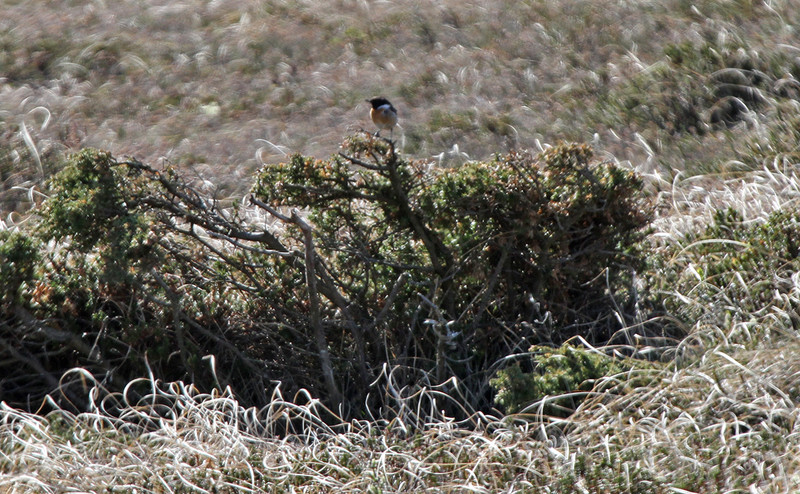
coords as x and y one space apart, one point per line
207 443
687 203
722 417
726 423
222 86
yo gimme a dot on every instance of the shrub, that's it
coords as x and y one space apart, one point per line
112 294
545 228
19 256
370 259
448 271
565 375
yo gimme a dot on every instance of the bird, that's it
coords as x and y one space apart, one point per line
383 114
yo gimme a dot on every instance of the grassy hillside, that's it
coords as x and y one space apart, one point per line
221 87
702 100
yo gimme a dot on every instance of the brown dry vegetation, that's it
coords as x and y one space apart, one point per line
219 87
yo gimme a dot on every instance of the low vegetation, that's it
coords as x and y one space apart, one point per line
219 89
369 261
253 304
712 411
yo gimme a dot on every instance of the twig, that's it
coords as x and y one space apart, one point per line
313 298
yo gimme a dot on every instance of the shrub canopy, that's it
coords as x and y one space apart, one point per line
335 276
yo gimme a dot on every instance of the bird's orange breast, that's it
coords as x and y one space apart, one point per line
384 117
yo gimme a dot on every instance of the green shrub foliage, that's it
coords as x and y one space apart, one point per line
477 261
103 287
354 277
19 256
560 381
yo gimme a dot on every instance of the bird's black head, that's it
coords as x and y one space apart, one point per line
379 101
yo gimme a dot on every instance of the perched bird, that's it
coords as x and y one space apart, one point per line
383 114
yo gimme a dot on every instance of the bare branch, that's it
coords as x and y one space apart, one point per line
313 296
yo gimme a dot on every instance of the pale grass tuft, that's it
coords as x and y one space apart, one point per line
733 414
728 421
176 439
688 203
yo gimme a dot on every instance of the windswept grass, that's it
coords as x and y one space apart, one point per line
720 416
726 422
219 88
